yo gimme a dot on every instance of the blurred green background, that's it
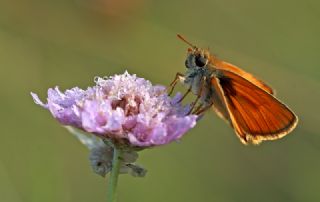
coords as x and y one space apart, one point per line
67 43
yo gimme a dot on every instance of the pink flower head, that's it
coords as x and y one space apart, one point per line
122 107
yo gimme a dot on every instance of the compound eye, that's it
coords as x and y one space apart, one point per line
200 61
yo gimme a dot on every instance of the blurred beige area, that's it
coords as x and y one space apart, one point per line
67 43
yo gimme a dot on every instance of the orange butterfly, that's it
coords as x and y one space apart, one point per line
245 102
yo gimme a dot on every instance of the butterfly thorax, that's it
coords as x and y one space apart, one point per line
199 73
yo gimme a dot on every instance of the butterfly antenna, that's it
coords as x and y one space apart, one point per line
187 42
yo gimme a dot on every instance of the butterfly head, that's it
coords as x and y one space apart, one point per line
196 57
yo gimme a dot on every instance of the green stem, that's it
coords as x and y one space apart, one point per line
113 179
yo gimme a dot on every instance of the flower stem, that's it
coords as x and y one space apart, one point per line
113 179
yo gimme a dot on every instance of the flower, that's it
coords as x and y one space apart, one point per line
123 108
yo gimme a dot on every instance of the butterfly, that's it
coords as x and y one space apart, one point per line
244 101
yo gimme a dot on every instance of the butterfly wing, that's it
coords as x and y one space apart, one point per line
219 64
254 113
218 103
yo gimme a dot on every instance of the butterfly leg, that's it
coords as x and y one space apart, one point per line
201 111
179 77
194 104
197 109
185 95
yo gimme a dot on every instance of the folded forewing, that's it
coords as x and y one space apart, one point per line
254 113
232 68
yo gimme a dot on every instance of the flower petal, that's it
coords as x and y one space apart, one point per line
38 101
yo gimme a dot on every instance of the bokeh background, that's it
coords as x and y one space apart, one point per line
67 43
